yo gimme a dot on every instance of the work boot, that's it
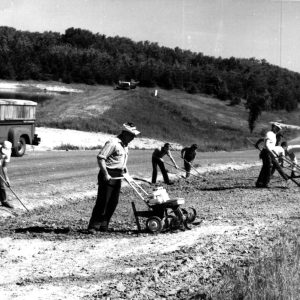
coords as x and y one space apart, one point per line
103 229
91 231
170 183
7 204
261 185
103 226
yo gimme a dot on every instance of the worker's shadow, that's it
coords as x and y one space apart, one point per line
73 231
125 232
241 187
43 229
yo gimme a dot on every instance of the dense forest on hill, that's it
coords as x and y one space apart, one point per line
80 56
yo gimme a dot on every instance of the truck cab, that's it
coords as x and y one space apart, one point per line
17 124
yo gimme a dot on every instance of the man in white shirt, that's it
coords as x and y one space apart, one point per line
112 160
267 157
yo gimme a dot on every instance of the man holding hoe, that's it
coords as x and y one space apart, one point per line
188 155
112 160
157 160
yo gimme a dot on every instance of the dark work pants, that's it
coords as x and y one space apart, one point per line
157 162
187 167
2 194
270 164
265 172
2 188
106 202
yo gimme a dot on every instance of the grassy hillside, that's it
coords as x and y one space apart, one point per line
173 116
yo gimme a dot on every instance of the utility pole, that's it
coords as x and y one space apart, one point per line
280 35
183 25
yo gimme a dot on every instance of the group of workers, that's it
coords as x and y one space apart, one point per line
113 157
188 155
112 160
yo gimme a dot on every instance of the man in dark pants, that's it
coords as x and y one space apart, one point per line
5 153
112 161
157 160
188 155
268 158
279 137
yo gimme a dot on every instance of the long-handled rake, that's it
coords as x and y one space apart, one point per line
188 163
181 169
291 166
6 183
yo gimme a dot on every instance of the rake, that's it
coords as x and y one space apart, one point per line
188 163
13 192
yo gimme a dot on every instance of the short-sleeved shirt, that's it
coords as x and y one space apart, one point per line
279 151
189 153
115 154
160 153
270 140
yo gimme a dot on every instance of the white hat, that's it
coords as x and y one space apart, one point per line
129 127
277 125
6 150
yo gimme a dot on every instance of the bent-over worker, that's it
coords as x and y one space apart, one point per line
188 155
112 160
288 151
157 160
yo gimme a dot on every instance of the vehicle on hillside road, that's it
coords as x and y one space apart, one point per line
126 85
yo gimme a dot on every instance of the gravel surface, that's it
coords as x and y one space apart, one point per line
47 253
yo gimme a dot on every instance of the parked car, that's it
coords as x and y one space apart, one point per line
17 124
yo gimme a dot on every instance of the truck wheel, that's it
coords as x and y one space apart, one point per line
21 148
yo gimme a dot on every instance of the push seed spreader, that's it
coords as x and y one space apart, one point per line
162 213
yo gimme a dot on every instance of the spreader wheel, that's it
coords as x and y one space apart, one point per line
190 214
154 224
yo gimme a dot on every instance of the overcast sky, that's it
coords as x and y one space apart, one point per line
264 29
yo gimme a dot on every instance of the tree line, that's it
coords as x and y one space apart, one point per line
80 56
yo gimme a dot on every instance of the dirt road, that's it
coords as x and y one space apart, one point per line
50 177
46 254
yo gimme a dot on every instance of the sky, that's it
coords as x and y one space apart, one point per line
264 29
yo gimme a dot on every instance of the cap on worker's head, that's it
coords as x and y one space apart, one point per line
284 144
194 146
277 125
129 127
167 145
6 150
